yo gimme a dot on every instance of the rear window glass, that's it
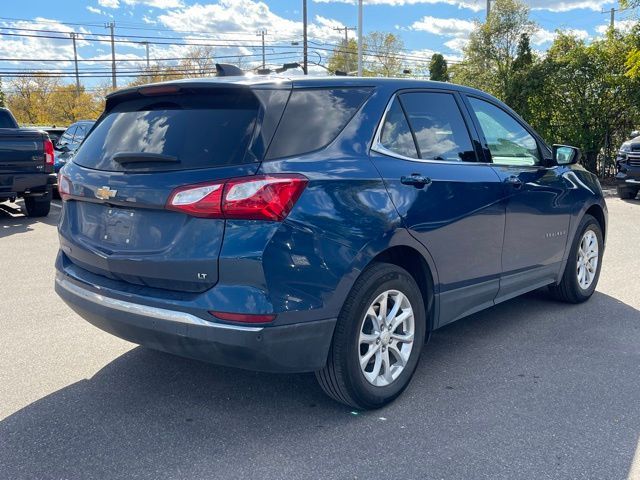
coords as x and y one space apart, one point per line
313 118
196 131
6 121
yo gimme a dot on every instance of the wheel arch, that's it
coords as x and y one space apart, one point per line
597 212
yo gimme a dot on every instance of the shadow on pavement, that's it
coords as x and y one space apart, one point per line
13 220
528 389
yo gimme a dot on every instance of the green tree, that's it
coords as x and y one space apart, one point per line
2 101
344 57
584 97
438 68
524 82
493 48
383 55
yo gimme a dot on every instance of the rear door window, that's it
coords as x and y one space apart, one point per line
313 118
438 126
193 131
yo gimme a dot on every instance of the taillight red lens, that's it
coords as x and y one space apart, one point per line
48 152
243 317
261 197
204 200
64 186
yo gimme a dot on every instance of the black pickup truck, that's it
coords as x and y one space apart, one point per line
26 166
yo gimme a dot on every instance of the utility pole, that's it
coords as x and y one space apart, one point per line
346 45
111 26
262 33
75 61
146 44
612 12
488 8
359 38
305 59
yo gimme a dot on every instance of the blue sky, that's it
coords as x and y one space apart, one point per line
426 26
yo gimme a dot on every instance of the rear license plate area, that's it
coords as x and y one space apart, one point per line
119 226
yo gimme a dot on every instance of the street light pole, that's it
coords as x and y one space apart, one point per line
359 38
305 59
75 61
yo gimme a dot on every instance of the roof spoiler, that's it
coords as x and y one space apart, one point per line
227 70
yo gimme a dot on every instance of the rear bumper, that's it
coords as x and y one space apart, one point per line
17 185
300 347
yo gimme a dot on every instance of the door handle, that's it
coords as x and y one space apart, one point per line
514 181
415 179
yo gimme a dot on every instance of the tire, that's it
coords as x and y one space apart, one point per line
627 194
569 289
342 378
38 206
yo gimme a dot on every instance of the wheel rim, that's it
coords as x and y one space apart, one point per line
587 262
386 338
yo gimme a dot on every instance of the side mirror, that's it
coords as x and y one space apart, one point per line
566 155
634 134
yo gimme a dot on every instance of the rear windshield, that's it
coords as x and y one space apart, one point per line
194 131
6 121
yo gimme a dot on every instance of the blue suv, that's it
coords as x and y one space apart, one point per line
317 225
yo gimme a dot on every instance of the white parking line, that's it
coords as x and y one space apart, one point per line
57 205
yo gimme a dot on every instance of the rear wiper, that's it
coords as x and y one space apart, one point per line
143 157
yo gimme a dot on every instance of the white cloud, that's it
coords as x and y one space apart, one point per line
162 4
623 26
108 3
478 5
457 44
448 27
95 10
542 36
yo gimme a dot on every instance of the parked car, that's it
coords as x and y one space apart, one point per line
628 176
54 132
26 166
70 140
317 225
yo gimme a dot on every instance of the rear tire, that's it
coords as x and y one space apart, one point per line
627 194
374 355
581 276
38 206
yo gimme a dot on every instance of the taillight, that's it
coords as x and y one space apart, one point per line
64 186
261 197
48 152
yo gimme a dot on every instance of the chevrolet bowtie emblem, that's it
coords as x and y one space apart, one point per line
105 193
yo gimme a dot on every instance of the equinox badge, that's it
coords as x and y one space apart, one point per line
105 193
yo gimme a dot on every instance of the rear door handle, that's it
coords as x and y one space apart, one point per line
415 179
514 181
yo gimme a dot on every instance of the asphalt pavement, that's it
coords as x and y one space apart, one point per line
530 389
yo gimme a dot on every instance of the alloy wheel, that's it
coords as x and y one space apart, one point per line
587 261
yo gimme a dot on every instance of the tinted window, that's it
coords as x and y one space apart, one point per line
438 125
207 130
509 142
313 118
67 136
6 121
396 134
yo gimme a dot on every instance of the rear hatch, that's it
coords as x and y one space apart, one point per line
148 143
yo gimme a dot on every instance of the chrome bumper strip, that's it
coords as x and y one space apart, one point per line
146 310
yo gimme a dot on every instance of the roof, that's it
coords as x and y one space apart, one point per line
266 81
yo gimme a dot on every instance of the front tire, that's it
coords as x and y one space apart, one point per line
582 270
38 206
378 339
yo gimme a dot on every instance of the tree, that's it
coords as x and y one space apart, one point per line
344 57
2 101
383 55
523 83
493 48
438 68
585 98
